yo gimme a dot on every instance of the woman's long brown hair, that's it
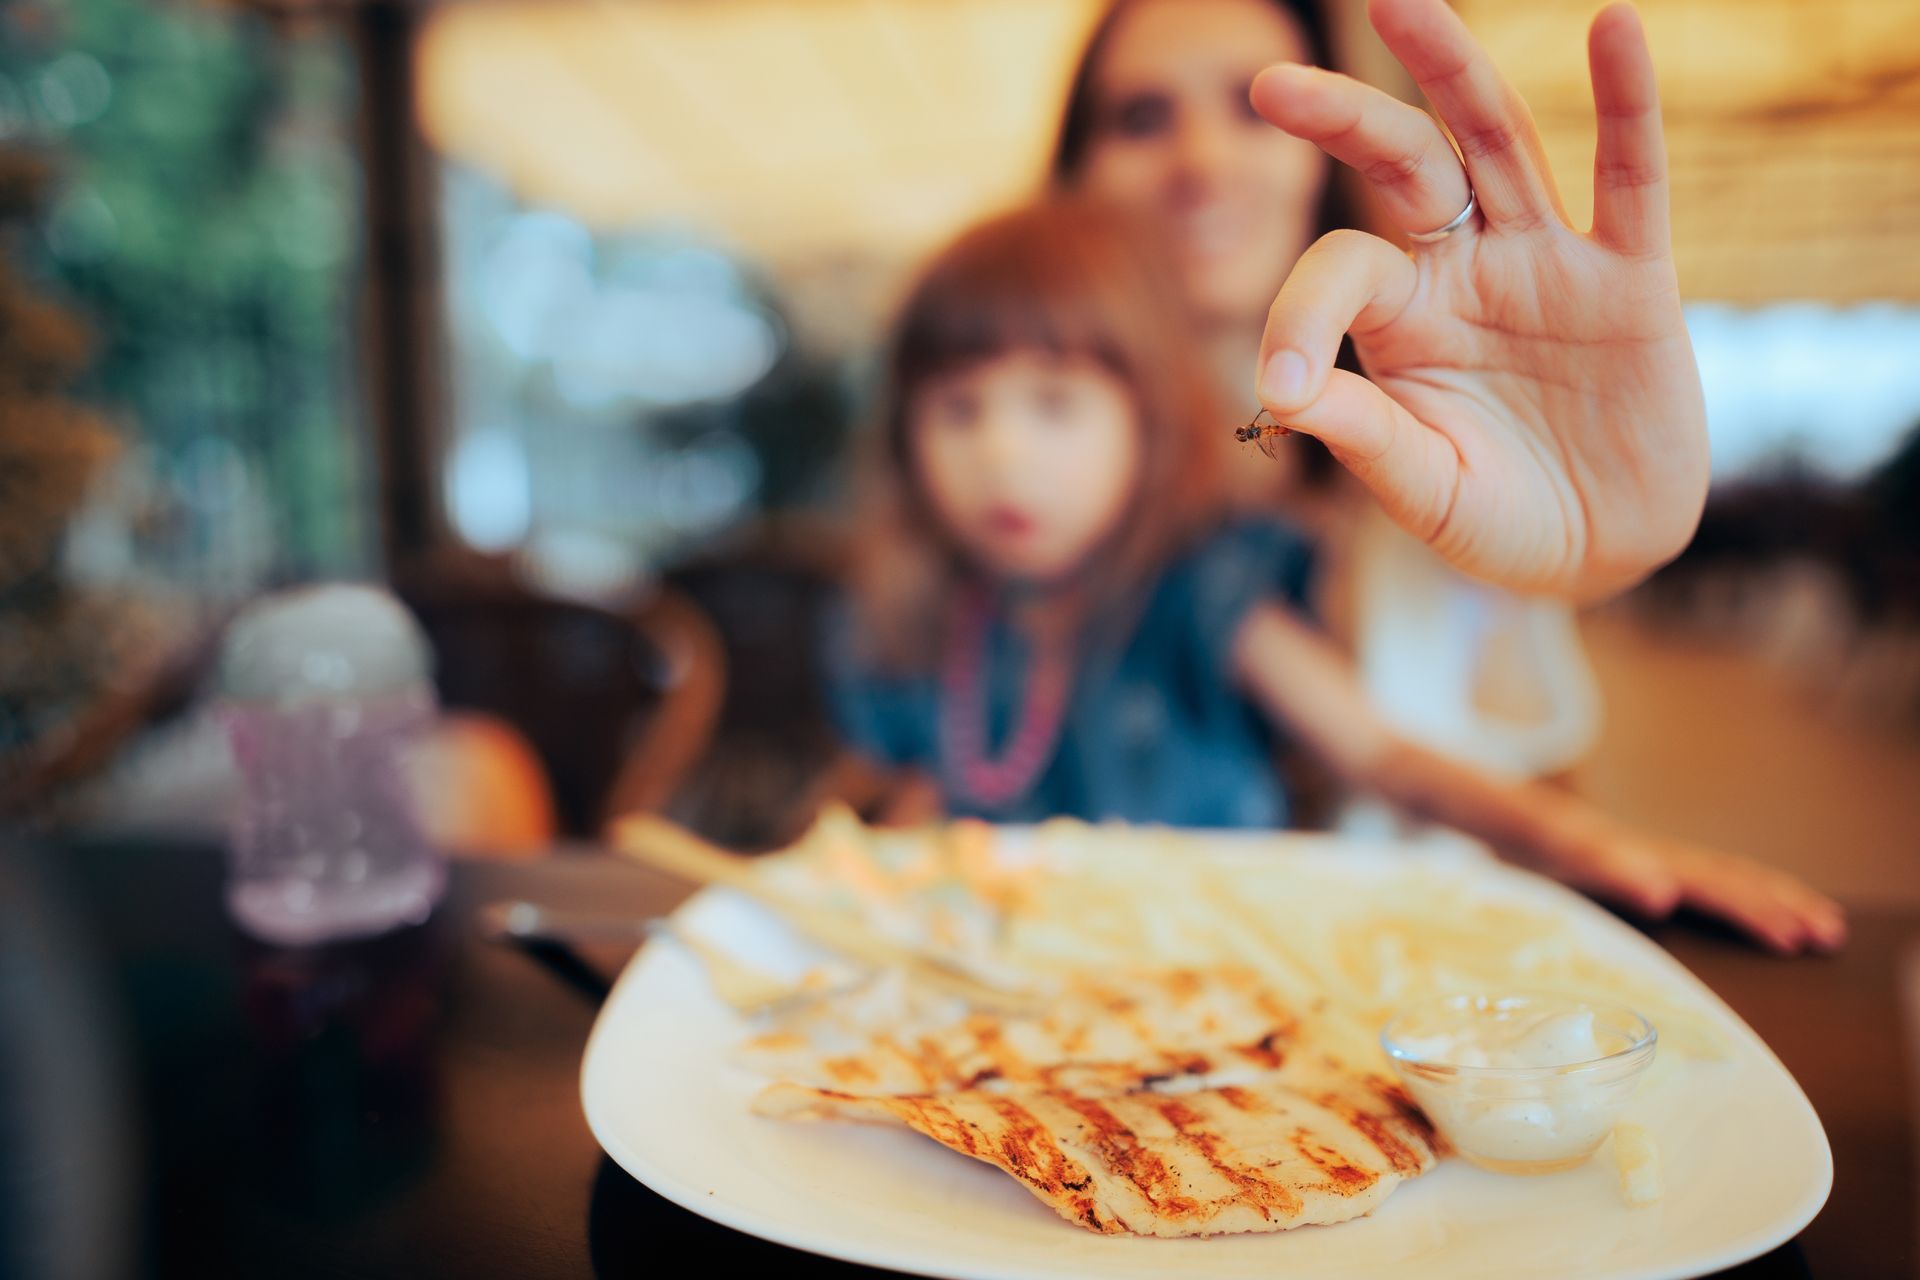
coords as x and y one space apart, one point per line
1062 276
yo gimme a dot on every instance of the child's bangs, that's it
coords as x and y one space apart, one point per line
995 300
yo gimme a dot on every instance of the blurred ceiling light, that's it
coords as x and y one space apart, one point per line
490 490
660 347
703 487
687 268
582 564
538 271
789 128
652 325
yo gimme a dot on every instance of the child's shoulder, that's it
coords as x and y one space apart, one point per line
1208 589
1247 554
1251 533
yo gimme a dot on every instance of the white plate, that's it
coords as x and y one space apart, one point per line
1747 1164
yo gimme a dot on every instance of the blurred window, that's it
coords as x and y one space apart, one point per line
672 233
1806 387
204 222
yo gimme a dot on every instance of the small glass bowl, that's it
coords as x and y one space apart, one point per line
1519 1119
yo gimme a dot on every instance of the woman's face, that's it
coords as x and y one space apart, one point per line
1029 460
1175 139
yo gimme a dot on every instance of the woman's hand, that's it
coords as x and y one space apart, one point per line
1308 687
1531 408
1655 875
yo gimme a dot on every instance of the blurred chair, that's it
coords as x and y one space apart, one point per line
618 707
775 754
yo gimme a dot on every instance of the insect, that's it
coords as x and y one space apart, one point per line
1262 433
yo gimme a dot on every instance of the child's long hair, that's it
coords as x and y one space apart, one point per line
1067 277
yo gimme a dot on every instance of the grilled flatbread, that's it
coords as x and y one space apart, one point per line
1098 1035
1239 1158
1172 1104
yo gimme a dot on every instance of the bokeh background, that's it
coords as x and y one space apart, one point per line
561 318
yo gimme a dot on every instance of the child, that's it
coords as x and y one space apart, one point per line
1048 616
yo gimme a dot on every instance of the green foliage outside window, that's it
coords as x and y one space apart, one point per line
203 222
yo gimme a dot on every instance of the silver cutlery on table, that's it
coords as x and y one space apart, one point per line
750 991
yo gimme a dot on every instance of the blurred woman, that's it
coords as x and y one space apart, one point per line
1160 120
1531 407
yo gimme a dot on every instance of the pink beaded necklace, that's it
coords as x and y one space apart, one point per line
964 709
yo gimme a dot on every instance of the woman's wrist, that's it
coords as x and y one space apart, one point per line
1567 832
1528 822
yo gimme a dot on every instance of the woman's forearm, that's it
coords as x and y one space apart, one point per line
1526 821
1309 688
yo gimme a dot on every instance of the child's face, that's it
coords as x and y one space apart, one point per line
1028 458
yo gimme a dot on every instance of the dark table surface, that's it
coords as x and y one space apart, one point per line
409 1106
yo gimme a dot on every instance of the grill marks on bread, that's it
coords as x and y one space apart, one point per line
1147 1163
1100 1036
1108 1108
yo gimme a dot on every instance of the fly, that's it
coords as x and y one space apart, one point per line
1262 433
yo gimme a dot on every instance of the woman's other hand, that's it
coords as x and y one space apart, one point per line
1532 408
1653 875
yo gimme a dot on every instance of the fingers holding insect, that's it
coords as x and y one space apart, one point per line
1261 431
1348 281
1412 470
1397 148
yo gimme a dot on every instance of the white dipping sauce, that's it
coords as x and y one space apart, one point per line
1538 1040
1527 1114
